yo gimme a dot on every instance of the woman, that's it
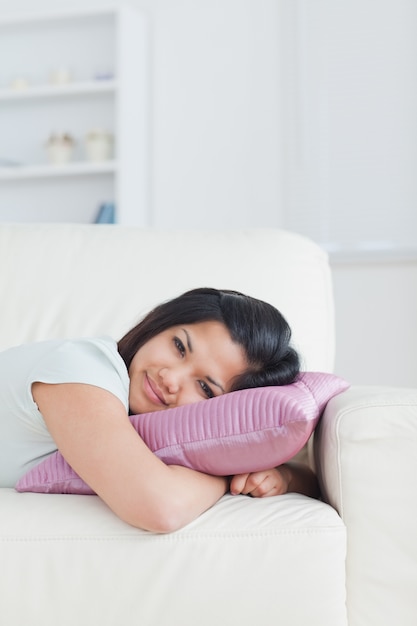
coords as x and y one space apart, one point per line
76 396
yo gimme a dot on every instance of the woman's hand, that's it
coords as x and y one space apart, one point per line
272 482
289 477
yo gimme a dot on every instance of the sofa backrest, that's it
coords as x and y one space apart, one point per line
69 280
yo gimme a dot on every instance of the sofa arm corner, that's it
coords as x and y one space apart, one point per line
365 455
365 443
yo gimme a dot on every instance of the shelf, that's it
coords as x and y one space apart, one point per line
57 91
105 53
80 168
59 15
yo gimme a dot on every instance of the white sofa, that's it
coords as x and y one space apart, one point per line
293 561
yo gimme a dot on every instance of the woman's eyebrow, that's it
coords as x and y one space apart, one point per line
187 336
213 382
190 347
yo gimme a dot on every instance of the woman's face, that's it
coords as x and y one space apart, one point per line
182 365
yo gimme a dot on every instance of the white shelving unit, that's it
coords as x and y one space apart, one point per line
105 53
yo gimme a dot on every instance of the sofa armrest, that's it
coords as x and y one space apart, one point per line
365 453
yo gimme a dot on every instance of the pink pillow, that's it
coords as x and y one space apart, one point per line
242 431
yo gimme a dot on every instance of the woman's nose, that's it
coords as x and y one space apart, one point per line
171 379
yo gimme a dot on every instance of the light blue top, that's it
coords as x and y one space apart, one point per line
24 437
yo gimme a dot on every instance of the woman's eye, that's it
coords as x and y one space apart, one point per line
180 346
208 392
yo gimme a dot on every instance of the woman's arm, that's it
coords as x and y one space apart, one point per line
289 477
92 431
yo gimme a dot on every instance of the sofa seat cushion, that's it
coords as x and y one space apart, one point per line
255 560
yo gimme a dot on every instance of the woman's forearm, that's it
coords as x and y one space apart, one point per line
193 493
93 433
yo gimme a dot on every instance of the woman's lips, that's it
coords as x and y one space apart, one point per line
153 392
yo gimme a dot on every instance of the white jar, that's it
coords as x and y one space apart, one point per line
60 76
19 83
98 145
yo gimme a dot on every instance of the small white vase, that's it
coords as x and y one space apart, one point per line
98 146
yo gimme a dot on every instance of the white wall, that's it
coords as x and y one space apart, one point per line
351 92
376 322
216 113
352 87
219 156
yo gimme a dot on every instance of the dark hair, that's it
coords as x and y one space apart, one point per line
257 326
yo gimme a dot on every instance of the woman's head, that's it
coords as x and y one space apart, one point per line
257 328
